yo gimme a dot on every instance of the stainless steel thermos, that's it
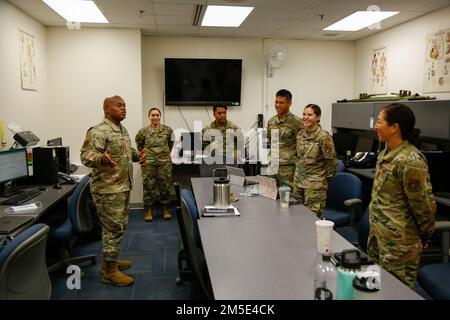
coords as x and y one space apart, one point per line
221 189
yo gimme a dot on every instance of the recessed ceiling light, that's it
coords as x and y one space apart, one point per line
225 16
77 10
359 20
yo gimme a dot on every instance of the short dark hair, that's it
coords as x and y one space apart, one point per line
404 117
219 106
284 93
151 109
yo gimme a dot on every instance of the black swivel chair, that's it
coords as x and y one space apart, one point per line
78 222
357 233
23 269
343 205
200 282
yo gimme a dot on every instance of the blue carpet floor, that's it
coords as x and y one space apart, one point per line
152 247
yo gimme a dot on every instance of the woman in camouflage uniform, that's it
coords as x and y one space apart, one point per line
402 207
156 138
316 163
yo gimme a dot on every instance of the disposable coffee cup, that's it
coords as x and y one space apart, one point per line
284 192
324 230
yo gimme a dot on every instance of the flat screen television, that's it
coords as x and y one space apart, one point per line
202 82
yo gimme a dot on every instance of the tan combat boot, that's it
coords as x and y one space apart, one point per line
166 212
121 265
111 274
148 216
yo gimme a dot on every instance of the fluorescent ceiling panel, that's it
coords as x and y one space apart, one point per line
225 16
359 20
77 10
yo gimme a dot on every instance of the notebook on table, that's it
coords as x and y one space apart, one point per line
211 211
10 223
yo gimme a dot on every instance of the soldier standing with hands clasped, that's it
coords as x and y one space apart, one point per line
107 150
156 140
317 161
402 207
288 126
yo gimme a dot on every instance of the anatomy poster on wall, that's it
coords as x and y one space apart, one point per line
27 61
378 71
437 62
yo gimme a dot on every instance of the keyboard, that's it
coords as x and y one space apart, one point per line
21 197
73 168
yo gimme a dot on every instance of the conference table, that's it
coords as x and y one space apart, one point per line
268 252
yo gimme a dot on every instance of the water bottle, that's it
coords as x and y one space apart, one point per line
350 263
325 279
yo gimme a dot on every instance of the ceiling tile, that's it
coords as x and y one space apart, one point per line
172 9
174 20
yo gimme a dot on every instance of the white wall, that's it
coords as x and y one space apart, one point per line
155 49
311 73
319 72
406 54
86 66
29 109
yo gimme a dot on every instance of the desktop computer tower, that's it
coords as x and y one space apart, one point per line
62 153
45 166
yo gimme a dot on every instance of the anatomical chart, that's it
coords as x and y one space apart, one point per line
378 71
437 62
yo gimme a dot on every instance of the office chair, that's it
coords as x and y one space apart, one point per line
78 222
189 200
23 269
358 233
340 166
343 205
435 278
200 283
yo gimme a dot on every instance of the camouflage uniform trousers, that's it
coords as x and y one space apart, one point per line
156 178
400 260
285 175
313 199
112 210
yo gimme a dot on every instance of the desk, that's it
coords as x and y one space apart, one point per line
49 198
268 252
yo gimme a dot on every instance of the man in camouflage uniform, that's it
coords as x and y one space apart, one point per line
157 141
107 150
402 207
317 162
288 126
228 131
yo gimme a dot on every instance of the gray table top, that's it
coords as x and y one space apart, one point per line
268 252
48 198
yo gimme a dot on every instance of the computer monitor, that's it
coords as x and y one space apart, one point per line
13 165
343 142
57 142
437 166
364 144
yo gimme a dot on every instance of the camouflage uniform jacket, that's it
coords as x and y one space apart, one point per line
157 143
288 128
402 207
223 131
107 179
317 161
